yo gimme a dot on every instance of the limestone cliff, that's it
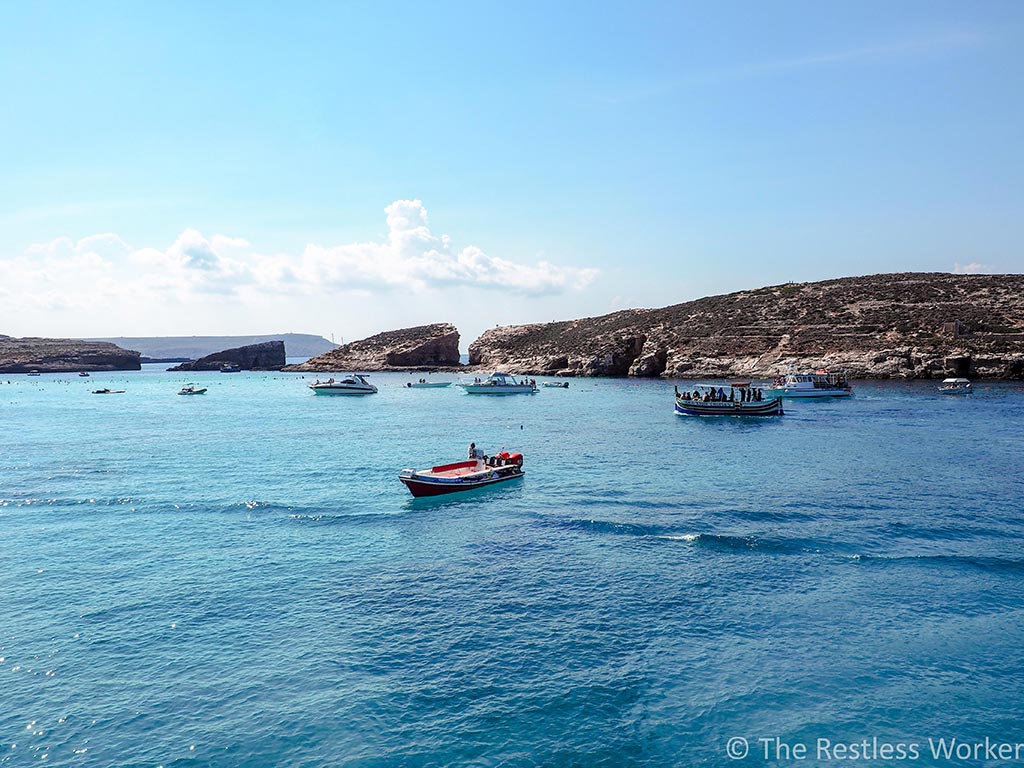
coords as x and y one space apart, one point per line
423 347
63 355
265 356
909 325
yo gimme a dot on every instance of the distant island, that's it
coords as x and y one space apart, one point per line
175 349
63 356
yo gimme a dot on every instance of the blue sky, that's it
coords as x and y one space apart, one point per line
225 168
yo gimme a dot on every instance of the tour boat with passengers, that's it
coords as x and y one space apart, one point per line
955 387
192 389
463 475
499 384
717 401
817 384
354 384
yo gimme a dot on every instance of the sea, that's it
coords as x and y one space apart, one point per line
239 578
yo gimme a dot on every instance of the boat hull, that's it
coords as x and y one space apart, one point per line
487 389
420 486
700 408
342 391
430 385
793 394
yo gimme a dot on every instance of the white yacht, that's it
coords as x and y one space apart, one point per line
354 384
499 384
817 384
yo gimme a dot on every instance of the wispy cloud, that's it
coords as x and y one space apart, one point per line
974 268
103 268
923 46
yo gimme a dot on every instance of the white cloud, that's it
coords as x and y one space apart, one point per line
99 269
974 268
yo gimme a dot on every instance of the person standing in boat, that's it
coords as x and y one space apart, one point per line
475 454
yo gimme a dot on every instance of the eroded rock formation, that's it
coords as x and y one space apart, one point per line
265 356
909 325
423 347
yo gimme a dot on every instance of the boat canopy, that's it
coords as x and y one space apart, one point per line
956 381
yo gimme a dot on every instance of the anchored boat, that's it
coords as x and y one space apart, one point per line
716 401
817 384
354 384
105 391
192 389
499 384
955 387
230 368
424 384
463 475
556 384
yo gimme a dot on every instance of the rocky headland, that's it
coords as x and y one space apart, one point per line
265 356
425 347
908 325
63 356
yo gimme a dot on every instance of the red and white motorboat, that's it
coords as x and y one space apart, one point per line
463 475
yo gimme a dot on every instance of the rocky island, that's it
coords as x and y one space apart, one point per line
265 356
425 347
908 325
63 356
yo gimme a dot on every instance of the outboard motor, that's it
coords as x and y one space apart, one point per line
515 458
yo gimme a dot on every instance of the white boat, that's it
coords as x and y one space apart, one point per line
556 384
84 374
955 387
499 384
192 389
33 373
817 384
424 384
354 384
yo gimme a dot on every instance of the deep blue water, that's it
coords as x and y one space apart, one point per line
240 579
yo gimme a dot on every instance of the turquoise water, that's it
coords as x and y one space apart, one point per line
240 579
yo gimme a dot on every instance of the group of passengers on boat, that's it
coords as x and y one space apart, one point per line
712 395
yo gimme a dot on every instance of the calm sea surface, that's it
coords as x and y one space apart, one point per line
240 579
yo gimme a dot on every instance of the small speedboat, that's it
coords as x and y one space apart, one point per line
955 387
738 401
463 475
424 384
556 384
230 368
355 384
106 391
33 373
84 374
499 384
192 389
